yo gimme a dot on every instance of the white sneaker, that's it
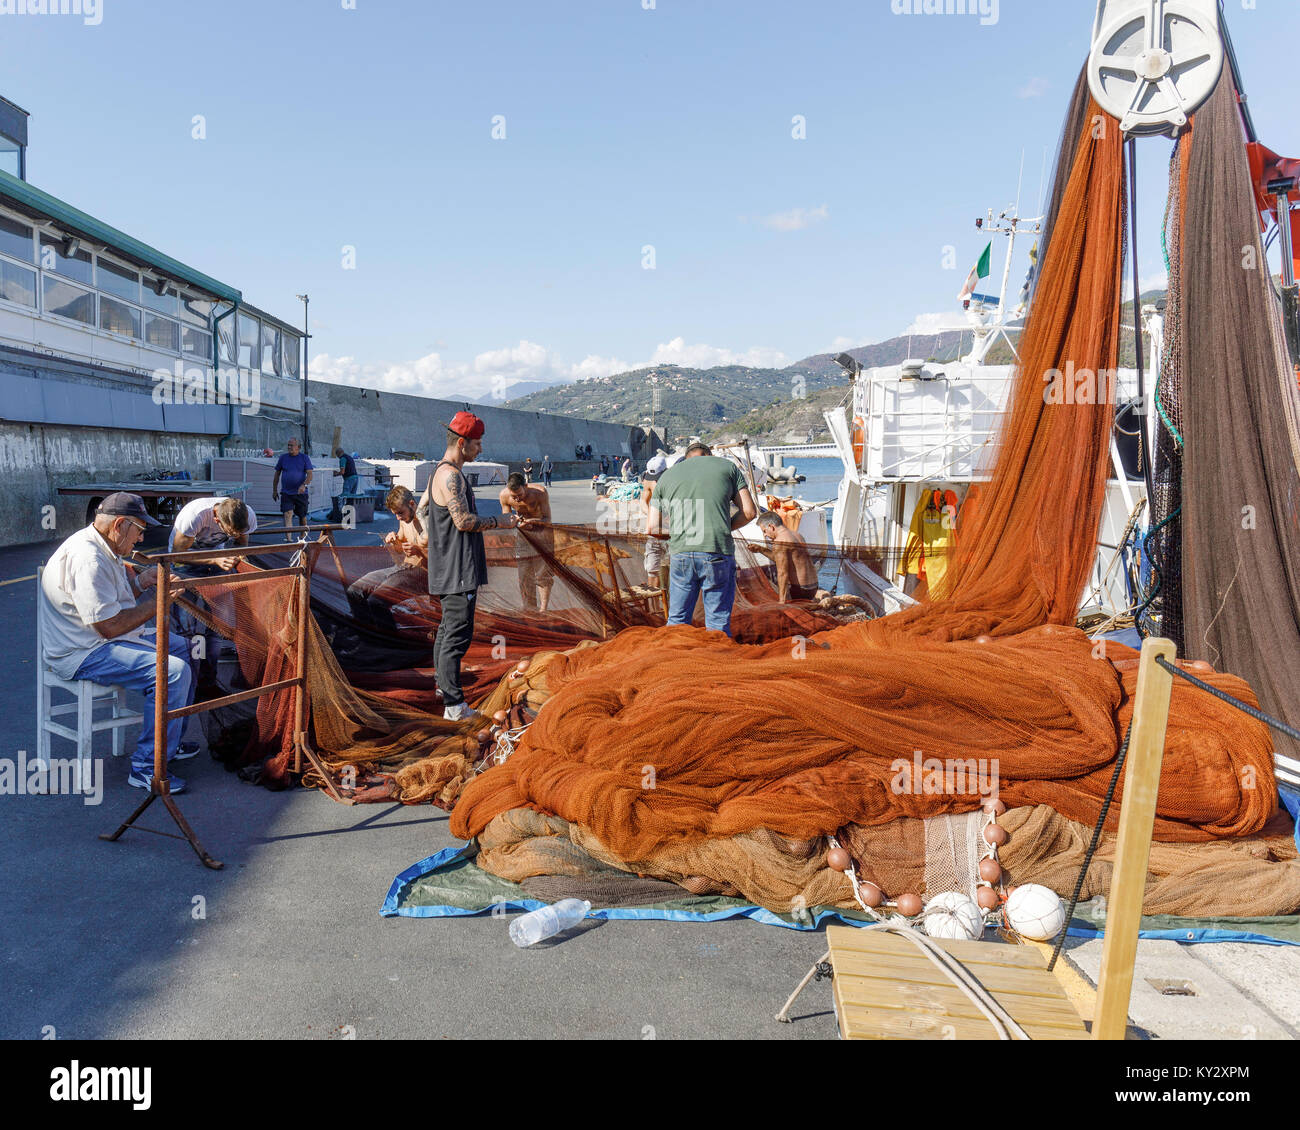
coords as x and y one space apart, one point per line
455 713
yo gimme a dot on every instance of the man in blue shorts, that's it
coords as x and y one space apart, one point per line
293 471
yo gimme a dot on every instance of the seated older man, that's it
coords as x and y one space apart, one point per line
95 630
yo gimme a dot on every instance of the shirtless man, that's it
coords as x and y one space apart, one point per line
796 575
409 547
535 580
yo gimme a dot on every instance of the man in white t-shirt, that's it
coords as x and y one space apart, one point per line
212 523
93 628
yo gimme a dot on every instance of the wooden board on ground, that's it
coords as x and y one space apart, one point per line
887 989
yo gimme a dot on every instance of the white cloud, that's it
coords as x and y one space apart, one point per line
490 375
796 219
677 352
1036 87
937 323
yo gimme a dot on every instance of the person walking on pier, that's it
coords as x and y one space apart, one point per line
296 468
457 557
548 469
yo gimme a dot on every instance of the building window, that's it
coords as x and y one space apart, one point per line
68 301
17 284
162 333
121 281
292 366
166 303
270 349
225 328
11 159
196 311
118 318
196 343
250 343
78 267
16 239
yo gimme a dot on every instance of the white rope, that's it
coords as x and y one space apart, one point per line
1002 1021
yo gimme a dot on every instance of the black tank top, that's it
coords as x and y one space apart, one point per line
457 560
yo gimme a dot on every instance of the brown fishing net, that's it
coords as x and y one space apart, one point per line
668 754
1251 877
1241 413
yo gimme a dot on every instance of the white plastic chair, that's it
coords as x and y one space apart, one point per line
86 696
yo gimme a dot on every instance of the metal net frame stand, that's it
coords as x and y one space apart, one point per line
160 787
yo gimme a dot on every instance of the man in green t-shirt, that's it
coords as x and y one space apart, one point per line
694 498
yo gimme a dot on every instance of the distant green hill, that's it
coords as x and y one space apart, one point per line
767 404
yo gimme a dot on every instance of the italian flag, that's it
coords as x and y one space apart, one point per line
979 271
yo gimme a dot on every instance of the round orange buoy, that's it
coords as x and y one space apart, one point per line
987 898
501 718
990 870
483 736
908 905
995 806
996 835
837 859
870 894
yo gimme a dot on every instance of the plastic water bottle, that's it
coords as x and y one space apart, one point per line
546 922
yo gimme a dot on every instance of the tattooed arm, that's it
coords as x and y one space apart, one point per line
467 522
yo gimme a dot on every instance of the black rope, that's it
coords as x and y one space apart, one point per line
1092 847
1267 719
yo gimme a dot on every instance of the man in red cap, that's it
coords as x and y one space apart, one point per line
457 558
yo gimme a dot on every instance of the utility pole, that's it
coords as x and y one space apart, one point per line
305 299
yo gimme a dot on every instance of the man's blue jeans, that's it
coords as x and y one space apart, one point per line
130 664
714 574
350 483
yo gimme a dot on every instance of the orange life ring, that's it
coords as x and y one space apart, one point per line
859 439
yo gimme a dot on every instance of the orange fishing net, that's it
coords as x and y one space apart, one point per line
667 737
653 743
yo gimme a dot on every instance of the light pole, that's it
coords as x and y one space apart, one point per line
305 299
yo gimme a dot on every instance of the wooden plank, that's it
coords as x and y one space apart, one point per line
860 1024
886 988
995 978
948 1000
852 940
1132 853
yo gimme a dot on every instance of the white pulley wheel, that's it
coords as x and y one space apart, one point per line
1155 62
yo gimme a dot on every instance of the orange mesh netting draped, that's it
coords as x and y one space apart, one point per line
670 737
654 745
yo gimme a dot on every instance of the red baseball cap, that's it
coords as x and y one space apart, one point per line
466 425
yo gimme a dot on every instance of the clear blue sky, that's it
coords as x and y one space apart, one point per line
522 258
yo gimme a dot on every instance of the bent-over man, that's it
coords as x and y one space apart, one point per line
796 575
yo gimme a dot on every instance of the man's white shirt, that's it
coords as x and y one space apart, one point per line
84 583
197 521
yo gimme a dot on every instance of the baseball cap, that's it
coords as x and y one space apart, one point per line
466 425
123 505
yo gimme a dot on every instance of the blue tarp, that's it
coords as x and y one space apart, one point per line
453 861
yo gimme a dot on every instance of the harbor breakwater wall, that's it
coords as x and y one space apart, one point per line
58 417
374 424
